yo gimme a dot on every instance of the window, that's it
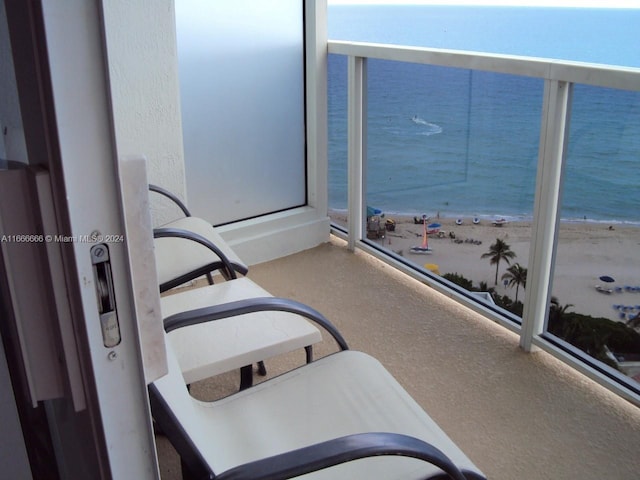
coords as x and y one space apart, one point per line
241 67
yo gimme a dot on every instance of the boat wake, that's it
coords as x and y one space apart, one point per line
429 128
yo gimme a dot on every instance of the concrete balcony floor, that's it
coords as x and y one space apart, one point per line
516 415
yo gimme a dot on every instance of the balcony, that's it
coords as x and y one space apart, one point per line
524 136
519 402
543 114
516 414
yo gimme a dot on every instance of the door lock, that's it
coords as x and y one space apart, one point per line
106 295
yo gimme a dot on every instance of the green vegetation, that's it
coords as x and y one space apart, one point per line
503 301
460 281
589 334
516 275
592 334
499 251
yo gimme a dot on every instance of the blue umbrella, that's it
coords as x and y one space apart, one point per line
607 278
373 211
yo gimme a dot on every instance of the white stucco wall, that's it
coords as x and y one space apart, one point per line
141 51
143 77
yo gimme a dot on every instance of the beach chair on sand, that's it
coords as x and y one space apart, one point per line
189 248
341 417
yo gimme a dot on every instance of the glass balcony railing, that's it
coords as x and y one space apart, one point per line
509 182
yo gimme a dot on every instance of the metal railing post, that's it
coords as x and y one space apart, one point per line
554 134
356 149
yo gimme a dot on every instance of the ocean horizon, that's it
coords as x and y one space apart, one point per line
463 144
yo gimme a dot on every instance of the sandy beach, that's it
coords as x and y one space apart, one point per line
586 251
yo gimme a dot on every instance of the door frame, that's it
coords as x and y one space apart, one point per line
61 72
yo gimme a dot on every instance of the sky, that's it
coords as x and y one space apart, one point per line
536 3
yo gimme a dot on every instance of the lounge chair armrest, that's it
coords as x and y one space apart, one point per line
170 196
340 450
228 268
251 305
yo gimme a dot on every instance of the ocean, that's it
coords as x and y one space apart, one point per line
463 144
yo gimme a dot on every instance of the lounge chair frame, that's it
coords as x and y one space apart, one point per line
300 461
224 265
206 269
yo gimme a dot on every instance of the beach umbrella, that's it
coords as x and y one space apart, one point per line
373 211
607 278
433 228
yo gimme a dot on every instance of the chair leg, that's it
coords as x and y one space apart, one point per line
186 473
189 474
309 351
246 372
210 278
246 377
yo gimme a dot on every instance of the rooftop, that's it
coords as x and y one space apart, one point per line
515 414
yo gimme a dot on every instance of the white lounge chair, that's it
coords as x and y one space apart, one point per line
341 417
190 247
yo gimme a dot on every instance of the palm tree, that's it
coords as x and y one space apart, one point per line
516 275
499 251
556 310
556 325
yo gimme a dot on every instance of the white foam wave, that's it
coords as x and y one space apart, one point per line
430 128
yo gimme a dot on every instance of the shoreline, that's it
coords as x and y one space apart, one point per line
512 218
586 251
